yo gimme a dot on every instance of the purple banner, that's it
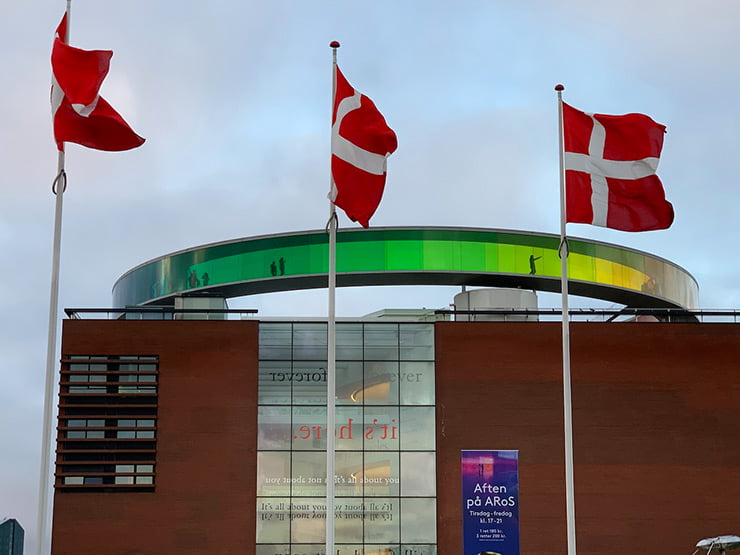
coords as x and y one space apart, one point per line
490 492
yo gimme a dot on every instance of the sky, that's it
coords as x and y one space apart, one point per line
234 100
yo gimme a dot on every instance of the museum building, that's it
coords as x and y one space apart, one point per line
184 427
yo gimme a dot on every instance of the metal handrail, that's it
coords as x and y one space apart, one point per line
75 313
591 314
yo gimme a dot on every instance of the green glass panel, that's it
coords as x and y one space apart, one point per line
404 255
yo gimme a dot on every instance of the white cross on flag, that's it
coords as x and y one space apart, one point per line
610 164
361 142
80 114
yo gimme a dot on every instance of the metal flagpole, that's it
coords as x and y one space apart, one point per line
567 405
331 227
58 188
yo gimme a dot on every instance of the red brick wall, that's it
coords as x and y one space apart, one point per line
206 444
656 423
656 413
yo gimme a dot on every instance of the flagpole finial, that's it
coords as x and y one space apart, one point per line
559 88
334 44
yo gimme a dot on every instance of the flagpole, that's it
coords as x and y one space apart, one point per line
331 227
567 404
58 188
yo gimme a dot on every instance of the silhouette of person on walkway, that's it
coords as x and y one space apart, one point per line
193 280
282 266
273 268
532 267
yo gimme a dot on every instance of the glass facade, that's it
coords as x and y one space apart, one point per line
385 466
11 537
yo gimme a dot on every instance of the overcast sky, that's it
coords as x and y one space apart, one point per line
234 98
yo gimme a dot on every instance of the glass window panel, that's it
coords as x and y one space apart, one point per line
417 549
349 428
381 520
145 423
95 434
144 468
308 379
273 519
275 341
417 341
381 342
310 549
348 469
274 428
308 519
144 479
349 516
95 423
309 341
348 382
380 476
416 380
387 549
123 468
418 520
127 423
98 378
417 428
78 388
76 423
308 476
147 377
274 385
273 473
76 434
309 428
356 549
145 434
349 341
93 480
147 367
381 428
418 474
74 480
380 386
128 378
126 434
78 378
273 549
98 367
124 480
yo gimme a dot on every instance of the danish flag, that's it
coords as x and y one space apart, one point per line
610 165
361 142
80 114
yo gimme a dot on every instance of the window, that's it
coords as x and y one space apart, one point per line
385 463
107 423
